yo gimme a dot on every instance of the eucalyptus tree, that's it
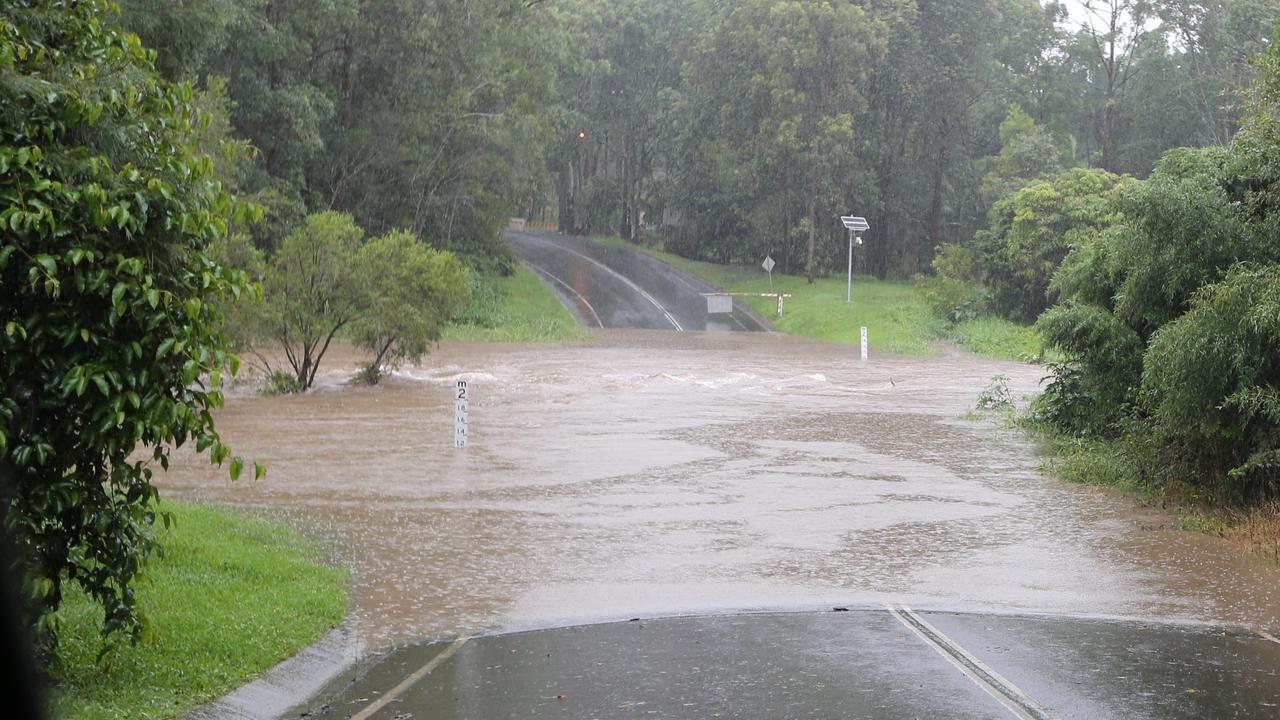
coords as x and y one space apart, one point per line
782 82
1110 40
609 157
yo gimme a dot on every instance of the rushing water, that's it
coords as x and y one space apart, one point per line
651 472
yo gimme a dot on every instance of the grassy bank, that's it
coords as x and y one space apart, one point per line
1130 465
518 308
897 322
232 595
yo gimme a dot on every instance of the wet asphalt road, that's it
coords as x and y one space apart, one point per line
890 664
617 287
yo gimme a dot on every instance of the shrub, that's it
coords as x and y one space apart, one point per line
110 349
281 382
1032 231
952 292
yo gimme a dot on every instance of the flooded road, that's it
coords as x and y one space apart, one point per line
645 473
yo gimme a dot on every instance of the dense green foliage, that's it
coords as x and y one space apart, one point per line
110 352
1168 317
1030 233
408 294
232 595
422 115
310 291
393 292
735 130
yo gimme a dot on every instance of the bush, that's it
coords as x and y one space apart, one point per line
111 349
281 382
996 396
1170 319
1212 379
1031 232
952 292
370 375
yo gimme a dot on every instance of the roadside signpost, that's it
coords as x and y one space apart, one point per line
768 267
461 406
857 226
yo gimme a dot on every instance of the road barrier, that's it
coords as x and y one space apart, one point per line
718 306
521 223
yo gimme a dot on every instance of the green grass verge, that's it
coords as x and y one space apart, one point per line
517 308
232 595
996 337
896 320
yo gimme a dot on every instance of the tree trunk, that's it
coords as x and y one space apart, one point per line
936 230
813 228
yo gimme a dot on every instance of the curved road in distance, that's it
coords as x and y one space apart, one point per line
611 286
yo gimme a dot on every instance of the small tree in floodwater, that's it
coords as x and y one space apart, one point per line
409 292
311 291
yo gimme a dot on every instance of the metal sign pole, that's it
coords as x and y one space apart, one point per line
849 294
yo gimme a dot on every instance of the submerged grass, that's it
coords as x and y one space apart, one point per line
232 595
896 320
1126 464
516 308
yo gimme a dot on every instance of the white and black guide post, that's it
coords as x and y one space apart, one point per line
461 406
857 226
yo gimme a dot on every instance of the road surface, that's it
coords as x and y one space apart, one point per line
888 664
611 286
748 482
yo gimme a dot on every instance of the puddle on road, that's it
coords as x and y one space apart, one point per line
648 472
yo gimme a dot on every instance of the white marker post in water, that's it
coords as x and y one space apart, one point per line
864 343
462 399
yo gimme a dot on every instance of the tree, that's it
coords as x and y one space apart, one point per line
409 293
1174 233
109 301
1112 37
311 292
1027 153
1033 229
1167 316
771 93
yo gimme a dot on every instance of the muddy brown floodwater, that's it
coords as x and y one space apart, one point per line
648 472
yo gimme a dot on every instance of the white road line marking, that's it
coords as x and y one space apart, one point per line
679 276
568 287
627 281
1267 636
408 682
994 684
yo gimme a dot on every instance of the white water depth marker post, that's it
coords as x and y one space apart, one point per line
461 406
864 342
